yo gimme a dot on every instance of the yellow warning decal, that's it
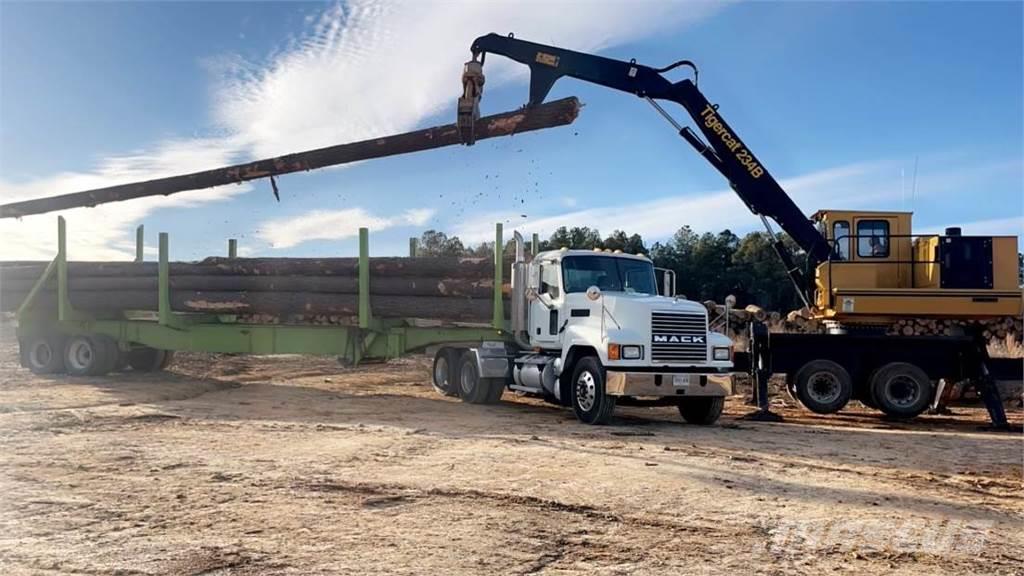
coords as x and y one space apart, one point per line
547 59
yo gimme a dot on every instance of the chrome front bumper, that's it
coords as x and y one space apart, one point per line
667 384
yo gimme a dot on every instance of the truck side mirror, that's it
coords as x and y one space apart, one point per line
593 293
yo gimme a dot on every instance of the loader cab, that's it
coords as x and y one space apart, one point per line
879 267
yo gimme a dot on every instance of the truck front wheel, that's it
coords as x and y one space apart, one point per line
701 410
589 401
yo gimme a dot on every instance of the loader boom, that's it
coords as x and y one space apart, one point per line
721 146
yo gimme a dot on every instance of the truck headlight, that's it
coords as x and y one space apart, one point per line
722 353
632 352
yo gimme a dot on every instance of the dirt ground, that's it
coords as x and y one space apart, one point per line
294 465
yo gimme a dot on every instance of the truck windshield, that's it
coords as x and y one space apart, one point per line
608 273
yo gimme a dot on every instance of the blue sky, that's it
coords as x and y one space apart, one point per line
839 100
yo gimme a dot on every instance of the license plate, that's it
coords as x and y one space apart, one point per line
680 380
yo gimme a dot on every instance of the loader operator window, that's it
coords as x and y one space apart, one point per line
872 239
609 274
841 237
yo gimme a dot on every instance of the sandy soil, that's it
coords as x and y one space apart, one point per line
293 465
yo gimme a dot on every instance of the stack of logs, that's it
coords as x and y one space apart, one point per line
273 290
1001 331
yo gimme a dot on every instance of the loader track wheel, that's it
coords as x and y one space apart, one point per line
701 410
87 356
823 386
587 392
445 373
474 389
902 390
42 354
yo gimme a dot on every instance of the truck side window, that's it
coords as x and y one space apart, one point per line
549 280
841 238
872 238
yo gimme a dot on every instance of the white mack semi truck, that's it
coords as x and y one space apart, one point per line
590 330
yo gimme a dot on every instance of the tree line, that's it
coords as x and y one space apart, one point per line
708 266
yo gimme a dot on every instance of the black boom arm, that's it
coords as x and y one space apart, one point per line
721 146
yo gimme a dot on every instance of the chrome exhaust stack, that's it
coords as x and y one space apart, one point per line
520 307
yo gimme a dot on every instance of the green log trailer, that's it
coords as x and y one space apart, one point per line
371 339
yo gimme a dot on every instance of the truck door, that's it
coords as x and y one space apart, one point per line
545 309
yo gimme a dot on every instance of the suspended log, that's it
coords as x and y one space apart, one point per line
556 113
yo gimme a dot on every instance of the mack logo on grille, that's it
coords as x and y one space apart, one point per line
678 339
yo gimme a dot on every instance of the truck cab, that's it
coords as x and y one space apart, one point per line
592 330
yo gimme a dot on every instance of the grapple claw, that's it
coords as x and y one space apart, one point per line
469 103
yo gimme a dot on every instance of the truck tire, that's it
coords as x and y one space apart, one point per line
474 389
146 359
86 356
701 410
902 390
445 374
823 386
587 392
42 354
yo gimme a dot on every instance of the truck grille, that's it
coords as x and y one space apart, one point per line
678 338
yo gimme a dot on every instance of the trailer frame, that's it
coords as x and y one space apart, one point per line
371 339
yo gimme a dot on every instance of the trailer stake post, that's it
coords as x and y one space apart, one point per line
163 282
535 245
140 237
498 319
63 304
232 248
364 278
414 247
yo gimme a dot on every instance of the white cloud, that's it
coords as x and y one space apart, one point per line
333 225
1012 226
374 67
104 232
863 185
365 68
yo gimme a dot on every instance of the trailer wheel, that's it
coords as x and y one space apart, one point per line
701 410
111 352
902 390
474 389
445 375
823 386
146 359
86 356
587 392
42 354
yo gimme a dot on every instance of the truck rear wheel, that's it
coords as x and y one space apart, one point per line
87 356
445 376
902 390
823 386
587 392
701 410
42 354
474 389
